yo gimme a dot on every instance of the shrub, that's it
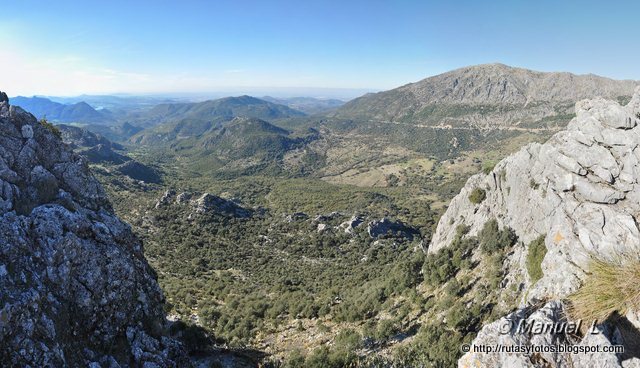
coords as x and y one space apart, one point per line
537 251
610 288
477 196
386 329
52 128
493 240
533 184
442 266
434 346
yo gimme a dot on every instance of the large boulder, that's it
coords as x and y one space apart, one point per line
75 288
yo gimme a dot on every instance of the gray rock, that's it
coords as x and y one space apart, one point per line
211 204
166 198
27 131
183 198
74 277
296 216
350 225
512 330
580 190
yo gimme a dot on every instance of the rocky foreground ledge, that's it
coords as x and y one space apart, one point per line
75 288
581 192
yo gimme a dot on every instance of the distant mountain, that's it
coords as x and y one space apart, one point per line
114 102
490 95
79 112
215 111
308 105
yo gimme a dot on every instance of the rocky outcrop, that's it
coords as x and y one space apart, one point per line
386 227
75 288
580 190
78 137
350 225
209 203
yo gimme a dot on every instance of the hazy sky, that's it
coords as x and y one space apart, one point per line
73 47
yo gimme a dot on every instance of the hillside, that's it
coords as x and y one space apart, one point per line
486 96
79 112
110 156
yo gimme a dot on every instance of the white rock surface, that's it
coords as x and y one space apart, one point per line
580 190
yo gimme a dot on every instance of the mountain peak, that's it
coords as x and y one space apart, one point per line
485 96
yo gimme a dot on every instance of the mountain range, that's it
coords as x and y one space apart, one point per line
486 96
80 112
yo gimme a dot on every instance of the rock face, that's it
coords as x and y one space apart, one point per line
75 288
580 190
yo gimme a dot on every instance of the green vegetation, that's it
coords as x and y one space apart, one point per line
488 166
477 195
611 288
533 184
442 266
51 127
493 240
535 255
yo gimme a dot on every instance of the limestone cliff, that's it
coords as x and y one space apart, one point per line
75 288
581 191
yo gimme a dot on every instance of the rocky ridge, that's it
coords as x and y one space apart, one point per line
75 288
581 191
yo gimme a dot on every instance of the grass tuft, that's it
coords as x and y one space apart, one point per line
487 166
611 287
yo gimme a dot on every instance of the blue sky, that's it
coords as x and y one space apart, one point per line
72 47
